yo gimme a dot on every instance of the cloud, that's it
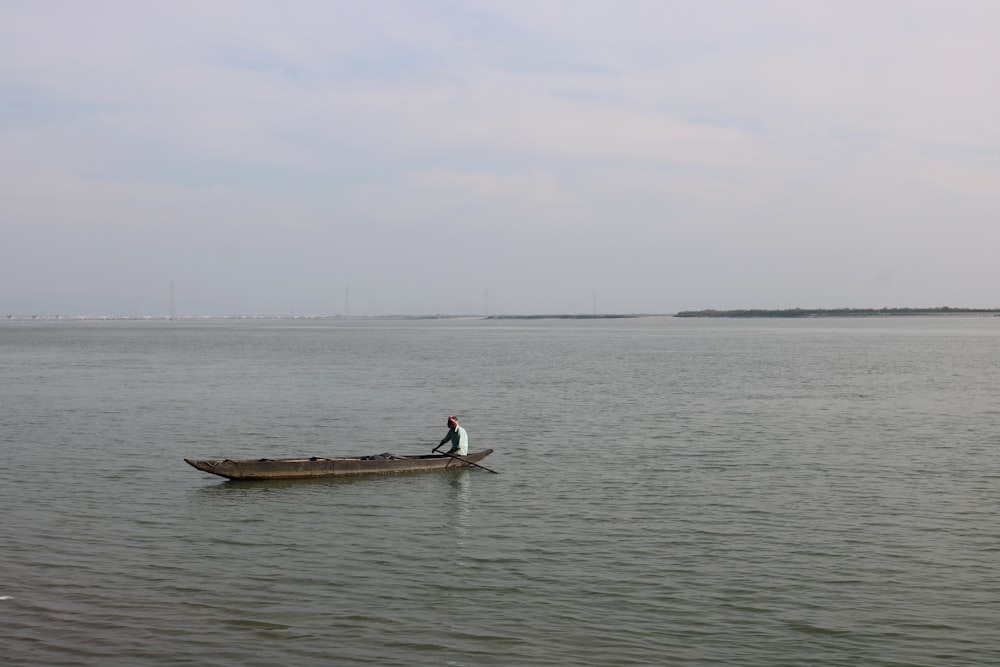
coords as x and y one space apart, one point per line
764 145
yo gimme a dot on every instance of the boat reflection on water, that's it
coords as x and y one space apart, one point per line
460 482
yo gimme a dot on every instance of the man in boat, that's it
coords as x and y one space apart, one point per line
457 436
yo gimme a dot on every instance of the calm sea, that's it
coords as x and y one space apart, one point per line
671 492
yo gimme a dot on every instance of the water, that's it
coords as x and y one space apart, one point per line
671 492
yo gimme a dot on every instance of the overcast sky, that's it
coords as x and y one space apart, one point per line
518 156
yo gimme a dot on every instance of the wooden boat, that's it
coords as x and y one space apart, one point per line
334 466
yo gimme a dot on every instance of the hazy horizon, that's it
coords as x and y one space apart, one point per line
450 157
698 312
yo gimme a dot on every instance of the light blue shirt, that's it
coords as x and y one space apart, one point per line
459 439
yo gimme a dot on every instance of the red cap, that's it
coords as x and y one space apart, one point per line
451 420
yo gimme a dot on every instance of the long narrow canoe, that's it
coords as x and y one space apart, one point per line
334 466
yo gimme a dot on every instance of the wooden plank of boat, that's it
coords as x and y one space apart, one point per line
334 466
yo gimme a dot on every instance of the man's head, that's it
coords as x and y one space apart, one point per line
452 422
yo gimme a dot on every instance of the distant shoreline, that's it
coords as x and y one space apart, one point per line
944 311
568 317
334 318
844 312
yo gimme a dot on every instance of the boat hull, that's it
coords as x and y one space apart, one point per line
337 466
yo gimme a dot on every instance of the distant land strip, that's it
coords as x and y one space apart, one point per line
840 312
563 317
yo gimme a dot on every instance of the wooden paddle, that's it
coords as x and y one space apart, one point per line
471 463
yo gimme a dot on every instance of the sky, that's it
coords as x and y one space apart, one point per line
497 157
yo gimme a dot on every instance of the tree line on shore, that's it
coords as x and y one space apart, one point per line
838 312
